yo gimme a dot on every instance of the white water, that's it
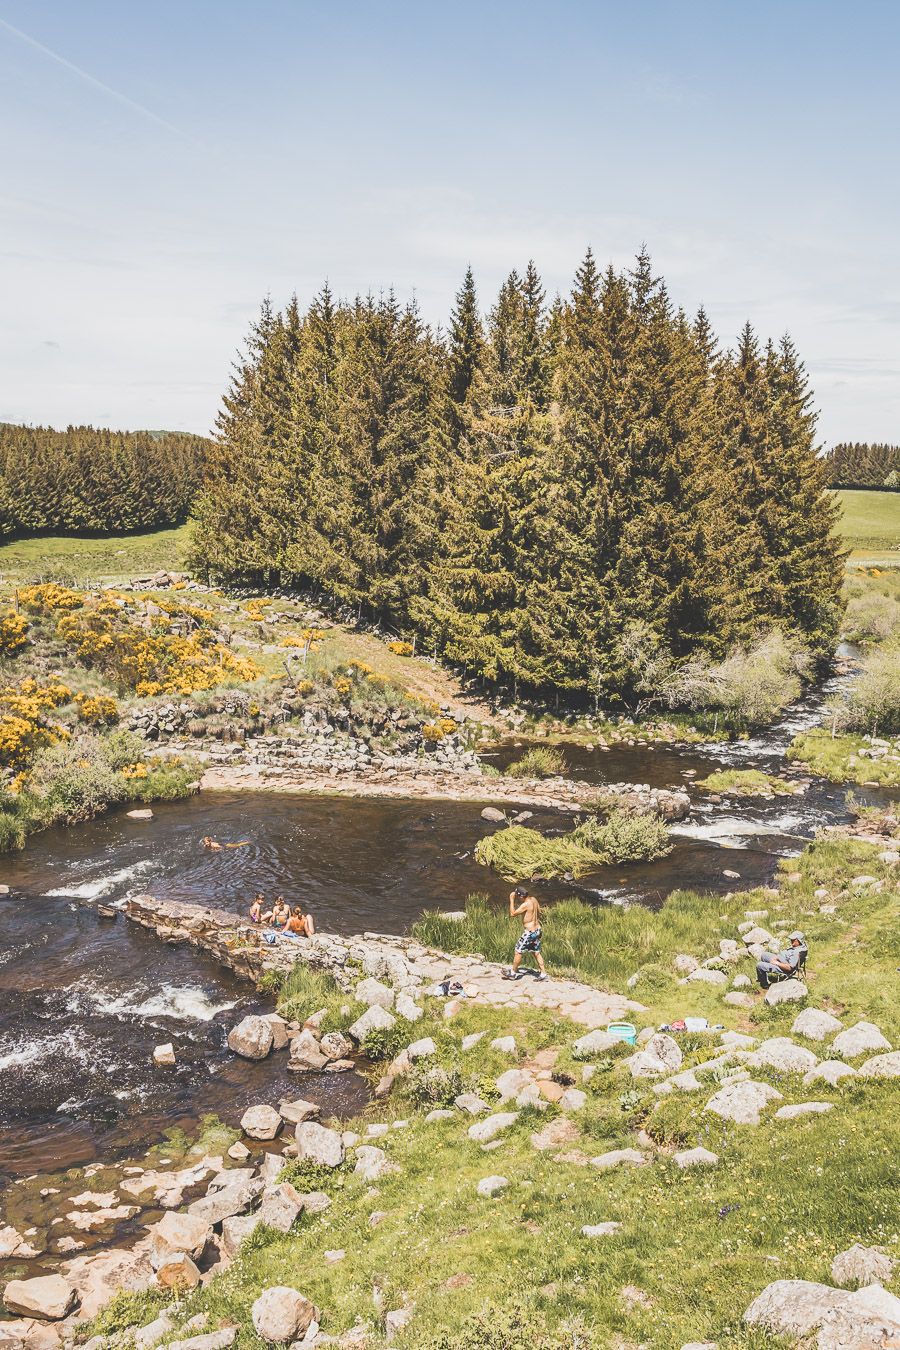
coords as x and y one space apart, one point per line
100 886
188 1004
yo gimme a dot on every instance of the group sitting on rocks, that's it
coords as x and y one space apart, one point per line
771 969
281 917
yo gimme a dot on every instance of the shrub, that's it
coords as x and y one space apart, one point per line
429 1085
383 1042
401 648
625 837
97 710
75 781
305 991
13 633
541 761
873 703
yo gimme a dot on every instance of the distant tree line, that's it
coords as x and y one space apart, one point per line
864 466
88 479
528 488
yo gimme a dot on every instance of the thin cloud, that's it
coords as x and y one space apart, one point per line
90 79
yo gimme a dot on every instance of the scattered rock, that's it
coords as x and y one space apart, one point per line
238 1151
48 1297
297 1111
215 1340
494 815
485 1130
318 1144
177 1272
235 1230
281 1206
555 1134
471 1102
396 1320
505 1044
142 813
175 1233
408 1008
573 1099
703 975
829 1071
815 1024
469 1042
882 1066
374 994
661 1055
619 1157
743 1102
595 1230
787 991
780 1052
335 1255
335 1045
261 1122
439 1114
490 1186
793 1307
860 1039
512 1082
802 1109
422 1049
595 1043
685 964
858 1266
306 1052
372 1163
164 1054
282 1314
375 1018
252 1038
696 1157
737 998
229 1200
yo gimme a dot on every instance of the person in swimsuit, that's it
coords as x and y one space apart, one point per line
301 924
280 913
256 909
520 902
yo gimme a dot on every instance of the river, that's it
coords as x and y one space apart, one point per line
83 999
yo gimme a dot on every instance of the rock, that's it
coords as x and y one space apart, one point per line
235 1230
490 1186
737 998
661 1055
396 1320
743 1102
802 1109
860 1039
483 1131
788 991
142 813
335 1045
742 982
469 1042
864 880
271 1168
13 1244
686 1081
696 1157
512 1082
222 1204
238 1151
372 1163
757 937
439 1114
316 1202
333 1256
297 1111
793 1307
177 1272
164 1054
736 1040
279 1030
815 1024
701 1345
882 1066
306 1052
705 976
555 1134
174 1233
282 1314
890 856
421 1049
48 1297
261 1122
619 1157
97 1276
495 816
829 1071
505 1044
252 1038
214 1340
550 1091
858 1266
780 1052
573 1099
408 1008
595 1043
374 994
471 1102
281 1206
146 1337
317 1144
375 1018
685 964
595 1230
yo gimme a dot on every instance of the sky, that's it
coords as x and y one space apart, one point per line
163 167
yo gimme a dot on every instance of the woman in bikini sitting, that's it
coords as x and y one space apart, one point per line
280 913
300 924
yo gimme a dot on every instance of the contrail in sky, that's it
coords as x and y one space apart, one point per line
90 79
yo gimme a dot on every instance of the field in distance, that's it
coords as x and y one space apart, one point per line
870 524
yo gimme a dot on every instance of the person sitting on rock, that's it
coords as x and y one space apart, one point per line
303 925
520 902
771 969
280 913
256 909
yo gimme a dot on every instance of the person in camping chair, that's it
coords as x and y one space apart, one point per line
771 969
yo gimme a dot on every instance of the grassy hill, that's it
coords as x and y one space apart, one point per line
870 522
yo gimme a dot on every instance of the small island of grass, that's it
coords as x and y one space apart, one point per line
747 783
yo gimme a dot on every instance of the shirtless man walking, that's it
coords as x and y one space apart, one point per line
520 902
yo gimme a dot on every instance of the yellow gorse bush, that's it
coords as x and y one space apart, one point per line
24 725
436 731
400 648
96 709
13 633
49 597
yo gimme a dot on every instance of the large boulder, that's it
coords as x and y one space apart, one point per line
743 1102
867 1320
235 1230
176 1232
815 1024
374 994
661 1055
261 1122
787 991
281 1205
282 1314
793 1307
227 1201
252 1038
882 1066
483 1131
47 1297
98 1276
858 1266
318 1144
780 1052
863 1038
595 1043
306 1052
830 1071
375 1018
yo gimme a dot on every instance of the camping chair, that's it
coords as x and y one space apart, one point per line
777 976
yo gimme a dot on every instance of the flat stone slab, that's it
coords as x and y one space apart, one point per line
802 1109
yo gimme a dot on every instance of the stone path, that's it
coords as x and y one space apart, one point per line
239 946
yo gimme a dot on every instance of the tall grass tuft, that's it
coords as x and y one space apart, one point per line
541 761
520 852
305 990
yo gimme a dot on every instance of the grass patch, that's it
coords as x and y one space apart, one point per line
746 783
839 758
869 520
114 558
520 852
541 761
305 991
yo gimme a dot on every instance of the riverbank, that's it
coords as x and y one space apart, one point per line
646 1193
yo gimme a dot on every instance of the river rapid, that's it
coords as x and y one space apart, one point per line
84 999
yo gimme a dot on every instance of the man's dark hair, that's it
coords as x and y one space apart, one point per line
520 890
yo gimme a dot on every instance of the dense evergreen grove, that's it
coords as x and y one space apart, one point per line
864 466
540 492
87 479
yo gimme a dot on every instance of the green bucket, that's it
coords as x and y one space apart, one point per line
623 1031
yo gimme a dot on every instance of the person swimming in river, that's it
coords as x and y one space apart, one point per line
210 843
520 902
300 924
